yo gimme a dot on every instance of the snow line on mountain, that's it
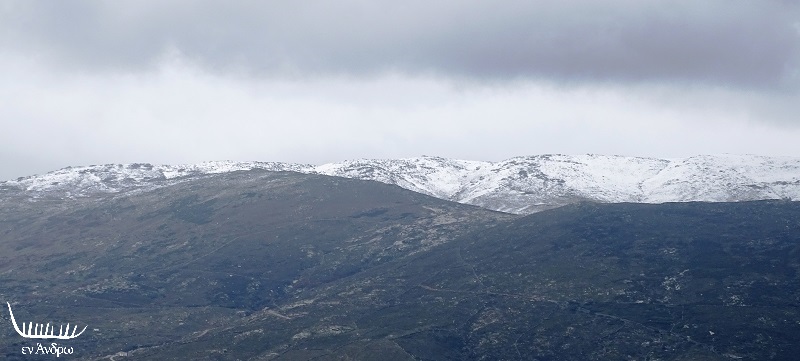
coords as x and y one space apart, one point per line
517 185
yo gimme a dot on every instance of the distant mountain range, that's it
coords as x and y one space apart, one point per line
184 264
276 261
520 185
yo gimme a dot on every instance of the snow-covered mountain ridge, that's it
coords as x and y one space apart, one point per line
518 185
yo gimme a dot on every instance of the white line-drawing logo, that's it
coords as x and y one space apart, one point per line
36 330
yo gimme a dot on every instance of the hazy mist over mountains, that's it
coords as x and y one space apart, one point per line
381 180
182 83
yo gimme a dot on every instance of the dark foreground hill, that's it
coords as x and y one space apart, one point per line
165 265
262 265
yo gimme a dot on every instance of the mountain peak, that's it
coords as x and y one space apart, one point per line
524 184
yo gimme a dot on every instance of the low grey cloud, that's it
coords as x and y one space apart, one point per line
90 82
744 44
181 114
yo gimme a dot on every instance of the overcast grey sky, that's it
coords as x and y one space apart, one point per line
91 82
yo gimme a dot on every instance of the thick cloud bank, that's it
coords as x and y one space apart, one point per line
729 43
88 82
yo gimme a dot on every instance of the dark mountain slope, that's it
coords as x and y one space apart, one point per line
689 281
154 267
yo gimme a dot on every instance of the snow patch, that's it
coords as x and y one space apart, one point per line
517 185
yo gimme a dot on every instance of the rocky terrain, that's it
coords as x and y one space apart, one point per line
585 282
521 185
151 267
281 265
273 261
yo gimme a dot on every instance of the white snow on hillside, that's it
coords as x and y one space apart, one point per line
517 185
